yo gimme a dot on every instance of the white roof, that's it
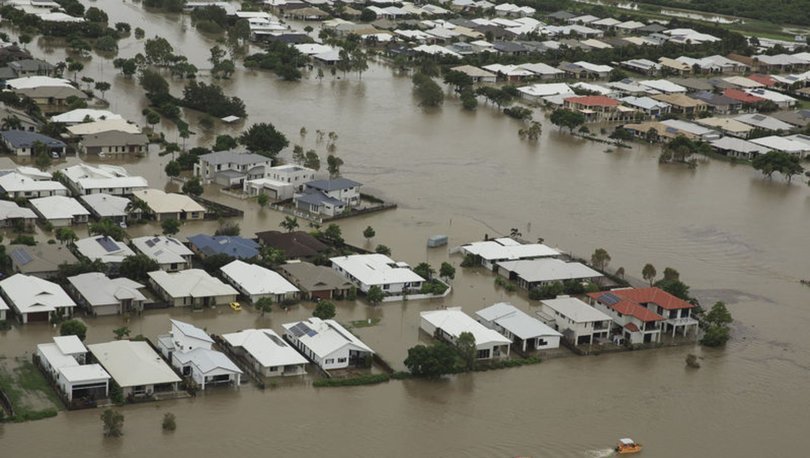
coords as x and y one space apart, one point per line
543 270
545 90
607 22
772 96
106 205
189 330
508 70
645 103
163 249
575 309
191 283
690 127
59 17
506 248
324 337
58 207
98 289
453 321
585 19
516 321
376 269
256 279
630 25
665 86
207 360
79 115
3 305
594 67
593 43
10 210
133 363
742 81
104 248
70 345
15 182
436 49
540 68
29 294
738 145
32 172
56 359
30 82
590 87
314 48
763 121
162 202
106 125
103 177
84 373
784 144
267 347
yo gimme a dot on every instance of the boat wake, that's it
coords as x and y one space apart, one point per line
601 453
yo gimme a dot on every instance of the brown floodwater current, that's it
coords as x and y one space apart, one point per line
732 235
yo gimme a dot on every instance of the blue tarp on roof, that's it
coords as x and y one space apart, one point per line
238 247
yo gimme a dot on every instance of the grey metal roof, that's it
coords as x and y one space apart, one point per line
317 198
233 157
332 185
21 139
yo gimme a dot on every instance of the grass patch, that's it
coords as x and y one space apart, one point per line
370 379
364 323
25 379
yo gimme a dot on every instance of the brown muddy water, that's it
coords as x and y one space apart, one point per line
732 235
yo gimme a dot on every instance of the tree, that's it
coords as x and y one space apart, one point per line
715 336
170 226
333 164
776 161
368 15
648 273
531 133
65 235
375 295
73 328
382 249
289 224
94 14
107 228
433 361
193 187
224 143
214 262
42 159
152 118
264 305
620 272
103 87
24 39
465 345
600 259
169 422
153 83
121 332
312 161
324 310
468 100
447 271
334 234
264 139
369 233
209 98
298 154
671 274
459 80
567 118
678 149
677 288
719 315
137 267
137 209
424 270
263 199
172 169
429 93
158 51
272 256
113 423
75 67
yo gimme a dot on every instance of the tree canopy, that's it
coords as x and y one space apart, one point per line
264 139
776 161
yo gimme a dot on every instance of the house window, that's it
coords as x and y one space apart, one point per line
329 361
341 360
273 369
483 354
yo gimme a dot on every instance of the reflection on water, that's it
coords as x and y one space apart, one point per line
729 233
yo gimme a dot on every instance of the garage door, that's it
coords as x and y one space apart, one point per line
38 316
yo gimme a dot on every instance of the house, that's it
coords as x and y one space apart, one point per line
103 205
35 299
784 144
583 70
170 205
695 130
136 368
718 103
31 67
192 287
538 91
511 73
673 66
170 254
60 211
204 245
103 125
763 122
675 312
490 252
535 273
107 250
797 118
23 143
448 325
478 75
646 105
327 343
294 245
281 182
598 108
367 270
267 353
637 323
12 215
64 361
82 115
525 332
114 142
543 71
101 295
728 126
644 66
683 104
231 167
26 121
663 86
738 148
42 260
316 282
188 349
654 131
781 100
743 97
256 282
85 179
15 185
579 322
328 197
50 99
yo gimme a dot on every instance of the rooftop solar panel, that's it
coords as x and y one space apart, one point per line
609 299
108 244
21 256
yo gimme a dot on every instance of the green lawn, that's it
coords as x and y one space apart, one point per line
27 389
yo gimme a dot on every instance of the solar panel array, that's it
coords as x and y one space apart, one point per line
302 329
21 256
609 299
108 244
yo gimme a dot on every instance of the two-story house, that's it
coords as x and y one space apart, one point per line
229 168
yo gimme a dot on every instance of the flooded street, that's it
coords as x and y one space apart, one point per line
733 237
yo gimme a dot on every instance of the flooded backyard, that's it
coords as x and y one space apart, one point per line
732 235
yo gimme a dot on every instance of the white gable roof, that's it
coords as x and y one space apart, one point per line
506 248
376 269
191 283
516 321
29 294
453 321
104 248
267 347
98 289
207 360
256 279
133 363
324 337
58 207
190 330
162 202
163 249
575 309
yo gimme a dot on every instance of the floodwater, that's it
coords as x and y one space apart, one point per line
732 235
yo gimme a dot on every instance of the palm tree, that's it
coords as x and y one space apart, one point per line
138 209
289 224
11 123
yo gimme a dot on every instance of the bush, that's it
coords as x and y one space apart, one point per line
369 379
433 287
715 336
169 422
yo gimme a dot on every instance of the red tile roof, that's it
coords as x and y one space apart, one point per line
631 327
742 96
762 79
655 296
593 101
626 306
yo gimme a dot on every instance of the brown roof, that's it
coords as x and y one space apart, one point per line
310 277
296 244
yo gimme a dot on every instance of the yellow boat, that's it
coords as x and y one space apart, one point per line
628 446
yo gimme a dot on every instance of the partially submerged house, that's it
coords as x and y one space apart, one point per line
12 215
15 185
170 205
35 299
526 332
579 322
535 273
257 282
367 270
64 361
107 250
267 353
136 368
448 324
328 197
205 245
490 252
85 179
316 282
170 253
327 343
188 348
232 167
294 245
103 205
192 287
41 260
23 143
60 211
101 295
675 314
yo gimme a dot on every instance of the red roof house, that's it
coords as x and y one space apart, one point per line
742 96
